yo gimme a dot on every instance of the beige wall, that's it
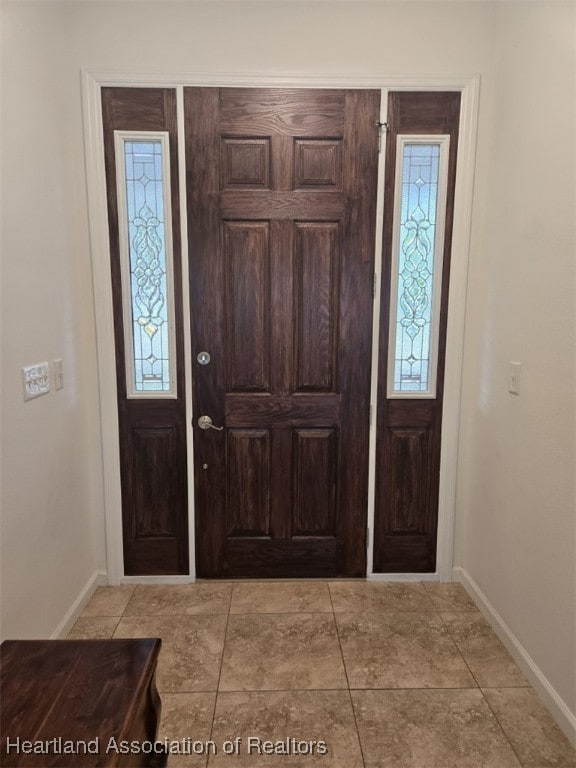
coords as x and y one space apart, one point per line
516 508
515 532
51 522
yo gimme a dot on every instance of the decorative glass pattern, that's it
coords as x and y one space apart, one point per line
417 275
149 293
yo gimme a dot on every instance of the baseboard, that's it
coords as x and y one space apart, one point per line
557 706
192 579
157 580
97 579
403 577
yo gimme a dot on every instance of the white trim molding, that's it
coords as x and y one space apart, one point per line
92 82
157 580
552 699
457 296
102 285
412 577
188 366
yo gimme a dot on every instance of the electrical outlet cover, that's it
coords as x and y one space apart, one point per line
36 380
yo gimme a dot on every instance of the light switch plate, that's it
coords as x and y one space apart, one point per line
36 380
58 370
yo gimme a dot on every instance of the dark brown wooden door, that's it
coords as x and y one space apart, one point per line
281 219
409 430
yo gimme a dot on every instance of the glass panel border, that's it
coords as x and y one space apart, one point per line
443 142
120 140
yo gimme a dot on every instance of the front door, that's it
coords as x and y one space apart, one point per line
281 189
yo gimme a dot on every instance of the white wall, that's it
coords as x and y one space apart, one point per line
514 482
516 532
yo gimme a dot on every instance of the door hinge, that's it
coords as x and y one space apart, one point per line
374 285
367 537
382 130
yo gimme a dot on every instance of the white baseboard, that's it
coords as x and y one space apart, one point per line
557 706
98 579
403 577
157 579
192 579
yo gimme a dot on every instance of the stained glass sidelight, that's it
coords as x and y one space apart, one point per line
149 264
417 260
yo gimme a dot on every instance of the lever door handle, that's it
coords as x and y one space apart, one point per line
205 422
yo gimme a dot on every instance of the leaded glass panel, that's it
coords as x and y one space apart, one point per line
418 267
149 265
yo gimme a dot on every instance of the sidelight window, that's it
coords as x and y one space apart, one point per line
143 179
417 255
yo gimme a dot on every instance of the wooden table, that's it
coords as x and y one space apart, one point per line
78 702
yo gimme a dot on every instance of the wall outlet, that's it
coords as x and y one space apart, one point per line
58 370
514 378
36 380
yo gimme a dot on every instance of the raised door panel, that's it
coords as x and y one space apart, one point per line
318 163
248 486
409 475
316 305
315 456
247 305
245 163
154 480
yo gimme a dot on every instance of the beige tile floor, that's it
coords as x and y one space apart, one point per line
386 675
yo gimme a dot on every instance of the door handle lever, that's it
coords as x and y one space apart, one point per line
205 422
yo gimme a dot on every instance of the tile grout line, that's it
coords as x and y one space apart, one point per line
458 651
316 690
220 671
123 614
429 596
502 728
516 755
347 679
117 625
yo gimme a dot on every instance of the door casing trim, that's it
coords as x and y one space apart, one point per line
92 82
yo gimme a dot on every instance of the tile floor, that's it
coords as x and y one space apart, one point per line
402 675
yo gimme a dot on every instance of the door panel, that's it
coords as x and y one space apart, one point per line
317 294
281 215
247 298
152 430
248 455
315 482
409 430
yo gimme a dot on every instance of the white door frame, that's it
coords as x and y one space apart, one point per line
92 82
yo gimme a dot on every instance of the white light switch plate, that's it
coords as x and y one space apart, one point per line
36 380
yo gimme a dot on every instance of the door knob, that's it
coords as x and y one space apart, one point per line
205 422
